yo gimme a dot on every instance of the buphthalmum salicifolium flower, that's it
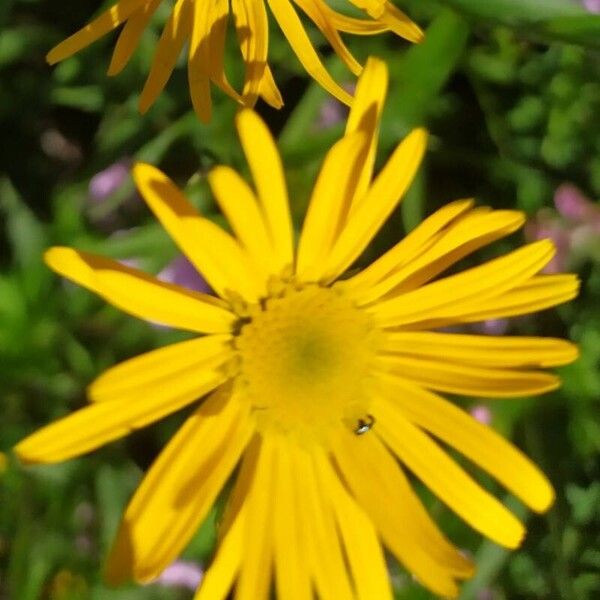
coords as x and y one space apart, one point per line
319 389
203 25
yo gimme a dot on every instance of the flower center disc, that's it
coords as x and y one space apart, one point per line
306 358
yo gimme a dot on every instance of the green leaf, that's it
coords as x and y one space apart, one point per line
26 234
580 29
421 73
516 12
564 20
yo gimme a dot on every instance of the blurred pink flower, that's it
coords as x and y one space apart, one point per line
574 206
107 182
573 227
482 414
592 5
181 573
180 271
493 327
332 111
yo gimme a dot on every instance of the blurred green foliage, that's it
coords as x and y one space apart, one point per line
510 90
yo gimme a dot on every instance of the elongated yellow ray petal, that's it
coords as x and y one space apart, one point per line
95 425
179 489
217 15
257 565
292 579
241 487
475 230
199 60
130 36
480 444
365 116
333 190
396 20
478 283
407 249
469 380
267 171
292 27
482 350
213 252
100 26
446 479
220 576
317 526
538 293
240 206
269 91
146 370
314 10
252 28
347 24
141 295
175 34
377 204
377 482
364 552
400 24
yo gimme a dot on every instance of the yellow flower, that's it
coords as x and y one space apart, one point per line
204 26
323 389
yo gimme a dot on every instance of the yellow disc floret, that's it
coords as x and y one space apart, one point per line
306 358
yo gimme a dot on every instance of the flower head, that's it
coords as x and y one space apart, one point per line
203 25
322 388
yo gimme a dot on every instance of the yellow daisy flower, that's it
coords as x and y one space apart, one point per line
321 389
204 26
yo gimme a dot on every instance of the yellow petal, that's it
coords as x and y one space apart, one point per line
100 26
377 482
221 260
267 171
396 20
317 527
174 35
141 295
207 54
199 60
482 350
256 570
477 229
100 423
292 28
218 13
220 576
314 10
400 24
149 369
480 444
468 380
538 293
240 206
252 28
269 91
449 482
236 502
130 35
364 552
375 206
292 581
478 283
365 115
348 24
406 250
179 489
332 193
